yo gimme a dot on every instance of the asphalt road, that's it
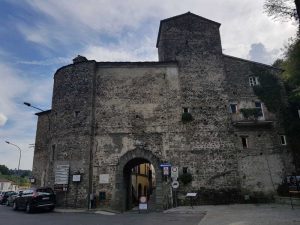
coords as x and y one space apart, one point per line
10 217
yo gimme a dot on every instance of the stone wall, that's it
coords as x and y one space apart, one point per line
263 165
72 130
42 153
204 145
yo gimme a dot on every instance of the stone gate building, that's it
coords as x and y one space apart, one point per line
185 110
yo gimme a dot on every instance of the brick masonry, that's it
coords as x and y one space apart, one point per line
109 116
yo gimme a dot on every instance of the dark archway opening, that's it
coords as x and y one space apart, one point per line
139 180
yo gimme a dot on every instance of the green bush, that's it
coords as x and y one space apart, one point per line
186 178
251 112
186 117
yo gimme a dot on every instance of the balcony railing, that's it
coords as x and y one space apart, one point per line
239 120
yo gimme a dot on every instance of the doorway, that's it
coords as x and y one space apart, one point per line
128 178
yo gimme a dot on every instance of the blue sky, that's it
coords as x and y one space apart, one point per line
39 36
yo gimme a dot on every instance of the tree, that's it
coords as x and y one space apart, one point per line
291 77
4 170
284 9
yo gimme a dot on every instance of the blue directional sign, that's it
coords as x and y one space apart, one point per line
165 165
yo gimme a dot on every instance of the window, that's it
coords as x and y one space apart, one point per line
253 81
244 142
53 152
76 113
258 105
184 170
186 110
299 113
282 139
233 108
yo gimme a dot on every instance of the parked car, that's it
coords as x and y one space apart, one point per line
4 196
12 198
35 198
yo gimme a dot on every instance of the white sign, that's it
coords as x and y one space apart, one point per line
175 184
76 178
143 206
174 172
62 174
104 179
166 171
191 194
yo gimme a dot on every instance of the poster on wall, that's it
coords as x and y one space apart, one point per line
62 174
103 178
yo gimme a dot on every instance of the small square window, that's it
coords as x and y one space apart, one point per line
253 81
282 139
76 113
244 142
233 108
186 110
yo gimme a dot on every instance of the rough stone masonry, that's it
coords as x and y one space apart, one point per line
107 117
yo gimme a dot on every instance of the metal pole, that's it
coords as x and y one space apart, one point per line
19 154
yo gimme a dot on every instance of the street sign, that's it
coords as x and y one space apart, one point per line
165 165
174 172
143 203
175 184
143 199
166 171
191 194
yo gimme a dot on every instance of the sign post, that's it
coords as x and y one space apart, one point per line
143 205
192 196
175 185
174 173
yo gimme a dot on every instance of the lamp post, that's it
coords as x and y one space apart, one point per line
32 106
29 105
19 155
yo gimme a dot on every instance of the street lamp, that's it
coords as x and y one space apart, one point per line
19 155
29 105
32 106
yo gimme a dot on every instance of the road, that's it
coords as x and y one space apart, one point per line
10 217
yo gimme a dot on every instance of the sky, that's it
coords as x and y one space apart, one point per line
39 36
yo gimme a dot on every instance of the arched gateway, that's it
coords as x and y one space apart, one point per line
129 160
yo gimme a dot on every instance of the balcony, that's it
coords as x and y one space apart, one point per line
266 120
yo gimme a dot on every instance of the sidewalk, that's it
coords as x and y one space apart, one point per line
244 214
96 211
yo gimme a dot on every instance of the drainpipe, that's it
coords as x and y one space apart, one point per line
92 135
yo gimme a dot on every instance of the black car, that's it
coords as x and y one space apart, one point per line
35 198
5 195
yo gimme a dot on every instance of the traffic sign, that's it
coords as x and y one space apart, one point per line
166 171
174 172
175 184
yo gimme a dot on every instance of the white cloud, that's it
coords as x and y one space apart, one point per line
3 119
84 22
15 88
48 62
259 53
